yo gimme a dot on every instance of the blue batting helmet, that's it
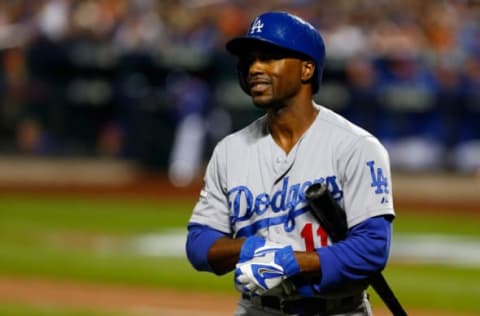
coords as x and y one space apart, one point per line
287 31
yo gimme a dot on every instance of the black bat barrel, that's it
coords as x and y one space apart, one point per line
327 211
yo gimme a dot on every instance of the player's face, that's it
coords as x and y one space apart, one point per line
272 77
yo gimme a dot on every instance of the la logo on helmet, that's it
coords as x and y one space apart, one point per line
256 26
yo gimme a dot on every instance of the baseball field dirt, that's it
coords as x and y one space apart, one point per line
133 301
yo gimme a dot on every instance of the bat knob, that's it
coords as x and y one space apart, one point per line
316 190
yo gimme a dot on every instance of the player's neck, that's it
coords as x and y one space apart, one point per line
288 125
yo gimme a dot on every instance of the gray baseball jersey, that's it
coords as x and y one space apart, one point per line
253 187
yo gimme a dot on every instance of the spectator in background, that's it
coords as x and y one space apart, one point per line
411 128
363 105
191 96
466 154
449 98
50 48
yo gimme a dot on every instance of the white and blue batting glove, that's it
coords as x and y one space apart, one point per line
265 271
257 246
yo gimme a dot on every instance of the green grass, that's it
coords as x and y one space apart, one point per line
57 238
454 223
39 310
40 235
91 215
449 288
439 287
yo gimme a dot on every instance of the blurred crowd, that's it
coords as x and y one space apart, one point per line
150 80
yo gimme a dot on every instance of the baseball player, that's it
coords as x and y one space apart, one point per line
252 217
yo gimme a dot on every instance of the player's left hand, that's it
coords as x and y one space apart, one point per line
266 271
257 246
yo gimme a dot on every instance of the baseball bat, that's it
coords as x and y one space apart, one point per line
333 219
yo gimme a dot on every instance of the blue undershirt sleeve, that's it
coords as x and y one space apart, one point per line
199 240
363 252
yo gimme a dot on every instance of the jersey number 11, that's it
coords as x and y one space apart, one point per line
307 235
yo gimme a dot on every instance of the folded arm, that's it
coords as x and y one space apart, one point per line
365 251
211 250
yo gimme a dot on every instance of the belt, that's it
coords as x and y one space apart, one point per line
308 305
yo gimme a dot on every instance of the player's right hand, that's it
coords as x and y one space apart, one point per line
265 271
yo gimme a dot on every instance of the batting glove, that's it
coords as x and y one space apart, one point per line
257 246
265 271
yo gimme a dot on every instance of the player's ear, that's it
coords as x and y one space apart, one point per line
308 69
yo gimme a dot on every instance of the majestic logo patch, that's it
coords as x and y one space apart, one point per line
257 26
379 181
